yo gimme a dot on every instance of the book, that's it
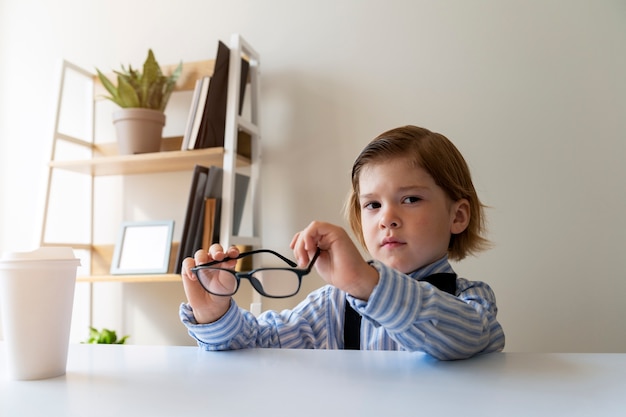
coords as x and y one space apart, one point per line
198 112
214 116
209 223
245 70
192 215
244 264
190 116
214 190
213 124
207 184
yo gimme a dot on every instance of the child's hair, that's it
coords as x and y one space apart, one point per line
442 160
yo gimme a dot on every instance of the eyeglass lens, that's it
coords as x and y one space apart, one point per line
217 281
269 281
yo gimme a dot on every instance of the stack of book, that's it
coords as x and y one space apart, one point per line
207 116
202 219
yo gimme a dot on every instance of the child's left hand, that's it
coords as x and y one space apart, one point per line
340 264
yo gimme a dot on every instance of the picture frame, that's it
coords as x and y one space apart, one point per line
143 248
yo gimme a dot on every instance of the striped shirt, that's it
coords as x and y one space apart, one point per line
402 313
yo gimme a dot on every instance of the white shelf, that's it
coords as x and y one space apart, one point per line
107 162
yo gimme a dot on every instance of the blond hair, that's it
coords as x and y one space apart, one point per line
442 160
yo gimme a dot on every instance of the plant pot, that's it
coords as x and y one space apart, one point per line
138 130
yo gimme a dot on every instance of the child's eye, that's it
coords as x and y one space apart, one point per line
372 205
411 200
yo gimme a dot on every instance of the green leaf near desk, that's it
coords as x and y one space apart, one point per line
105 337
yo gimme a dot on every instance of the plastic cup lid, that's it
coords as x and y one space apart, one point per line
47 253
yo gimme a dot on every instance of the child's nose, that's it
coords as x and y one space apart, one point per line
389 219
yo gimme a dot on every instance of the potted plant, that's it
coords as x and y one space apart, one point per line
142 97
104 336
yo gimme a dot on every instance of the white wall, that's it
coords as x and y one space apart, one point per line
532 92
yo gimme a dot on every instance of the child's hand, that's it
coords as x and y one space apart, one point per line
340 263
206 307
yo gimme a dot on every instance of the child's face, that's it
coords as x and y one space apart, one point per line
406 218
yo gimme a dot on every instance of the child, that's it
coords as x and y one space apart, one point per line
413 207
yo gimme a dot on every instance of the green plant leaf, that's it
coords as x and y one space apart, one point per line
151 81
169 85
127 94
108 336
151 70
108 85
105 336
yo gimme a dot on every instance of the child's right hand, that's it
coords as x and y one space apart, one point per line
340 264
206 307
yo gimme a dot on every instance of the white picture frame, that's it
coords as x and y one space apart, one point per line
143 248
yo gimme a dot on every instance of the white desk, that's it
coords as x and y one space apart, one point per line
154 381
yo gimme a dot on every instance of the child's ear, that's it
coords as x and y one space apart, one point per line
460 216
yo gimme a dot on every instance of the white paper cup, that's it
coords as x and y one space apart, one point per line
36 300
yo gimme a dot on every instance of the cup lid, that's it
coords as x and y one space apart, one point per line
47 253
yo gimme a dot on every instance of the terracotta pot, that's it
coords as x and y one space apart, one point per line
138 130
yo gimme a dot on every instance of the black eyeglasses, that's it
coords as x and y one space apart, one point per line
269 282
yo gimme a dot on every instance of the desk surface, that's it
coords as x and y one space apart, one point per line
106 380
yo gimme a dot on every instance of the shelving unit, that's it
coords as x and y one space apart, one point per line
105 161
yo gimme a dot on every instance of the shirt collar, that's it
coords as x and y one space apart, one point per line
442 265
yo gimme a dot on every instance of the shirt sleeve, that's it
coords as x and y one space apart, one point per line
419 317
307 326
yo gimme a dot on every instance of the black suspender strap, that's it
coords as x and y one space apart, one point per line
351 328
444 281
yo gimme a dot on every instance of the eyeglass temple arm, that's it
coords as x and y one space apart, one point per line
317 254
253 252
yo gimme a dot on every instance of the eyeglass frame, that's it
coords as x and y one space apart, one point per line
300 272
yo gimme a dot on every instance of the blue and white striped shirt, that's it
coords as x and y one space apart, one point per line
401 314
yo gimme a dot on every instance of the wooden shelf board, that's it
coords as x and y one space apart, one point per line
147 163
131 278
